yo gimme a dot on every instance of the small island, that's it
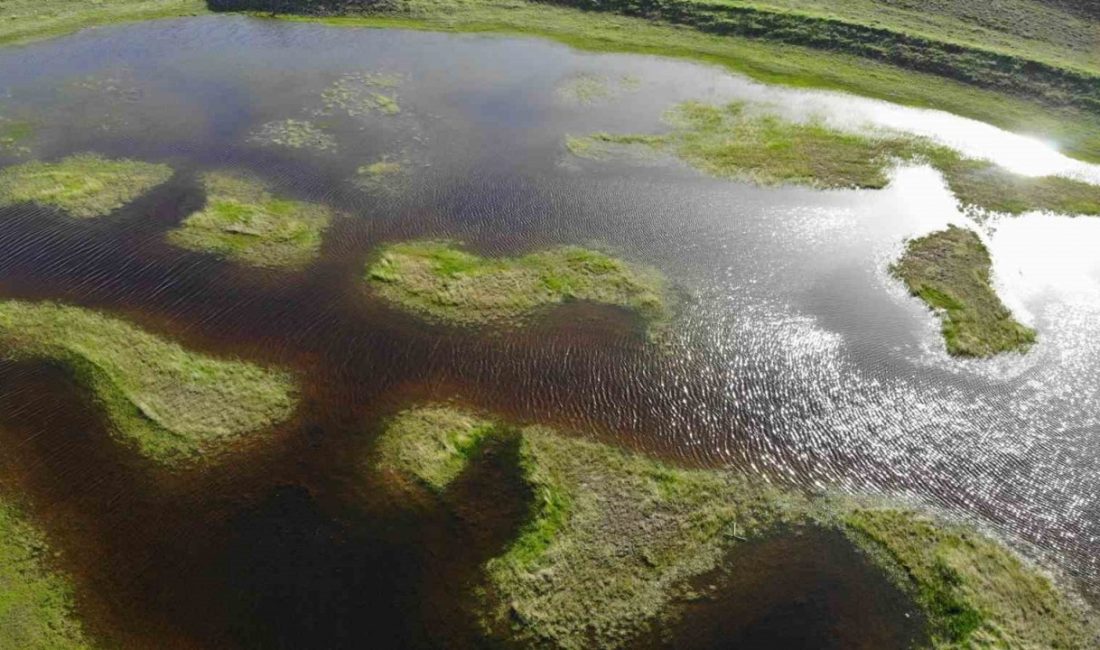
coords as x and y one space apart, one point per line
83 185
613 540
439 280
950 271
173 405
244 222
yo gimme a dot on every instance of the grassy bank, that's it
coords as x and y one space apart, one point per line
950 271
1073 129
441 281
22 21
84 185
730 142
245 223
613 540
171 404
976 593
35 603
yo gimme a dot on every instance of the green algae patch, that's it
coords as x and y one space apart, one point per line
14 135
975 592
84 185
431 444
359 94
293 134
171 404
441 281
244 222
950 271
383 176
36 604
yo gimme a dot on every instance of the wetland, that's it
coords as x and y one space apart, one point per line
317 337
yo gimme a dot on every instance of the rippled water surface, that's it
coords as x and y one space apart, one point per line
795 354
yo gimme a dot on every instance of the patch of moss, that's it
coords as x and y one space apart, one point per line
171 404
359 93
976 593
950 271
245 223
35 603
84 185
442 281
294 134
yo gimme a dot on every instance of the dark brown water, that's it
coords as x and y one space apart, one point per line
795 355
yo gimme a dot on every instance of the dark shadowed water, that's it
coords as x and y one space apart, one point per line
795 356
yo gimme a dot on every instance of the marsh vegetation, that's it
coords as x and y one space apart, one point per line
950 271
440 280
244 222
173 405
83 185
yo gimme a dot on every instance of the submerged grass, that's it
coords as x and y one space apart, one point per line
613 541
245 223
441 281
730 142
976 593
360 93
1073 129
384 176
84 185
35 603
950 271
172 404
293 134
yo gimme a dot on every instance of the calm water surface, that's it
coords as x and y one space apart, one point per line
795 355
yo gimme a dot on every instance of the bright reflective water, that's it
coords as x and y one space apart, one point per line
795 355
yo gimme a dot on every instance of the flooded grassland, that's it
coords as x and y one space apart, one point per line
316 336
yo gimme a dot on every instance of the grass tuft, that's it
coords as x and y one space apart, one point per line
84 185
171 404
245 223
950 271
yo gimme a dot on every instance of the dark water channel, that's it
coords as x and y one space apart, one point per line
795 355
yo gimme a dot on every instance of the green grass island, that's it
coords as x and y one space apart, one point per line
734 142
439 280
950 271
36 603
172 405
244 222
613 539
83 185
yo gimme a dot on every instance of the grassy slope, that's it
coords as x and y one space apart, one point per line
35 604
28 20
244 222
613 538
1075 131
84 185
172 404
441 281
950 271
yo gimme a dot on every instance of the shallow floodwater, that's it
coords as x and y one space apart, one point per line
795 355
